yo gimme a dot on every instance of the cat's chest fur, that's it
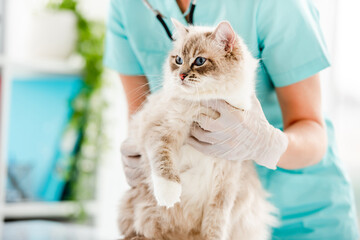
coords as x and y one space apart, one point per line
196 174
197 170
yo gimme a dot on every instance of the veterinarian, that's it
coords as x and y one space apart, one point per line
309 186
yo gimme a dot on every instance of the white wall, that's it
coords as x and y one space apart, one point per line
346 100
340 21
342 98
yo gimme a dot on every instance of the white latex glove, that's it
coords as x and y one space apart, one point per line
239 135
131 163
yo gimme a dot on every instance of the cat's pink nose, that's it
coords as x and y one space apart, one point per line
182 76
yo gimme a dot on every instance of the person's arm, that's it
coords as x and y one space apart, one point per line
303 123
136 89
241 135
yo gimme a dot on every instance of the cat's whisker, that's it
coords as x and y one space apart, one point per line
137 89
198 100
142 95
193 80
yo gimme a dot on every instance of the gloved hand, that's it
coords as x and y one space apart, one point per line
239 135
131 163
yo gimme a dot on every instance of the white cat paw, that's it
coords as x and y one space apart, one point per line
166 192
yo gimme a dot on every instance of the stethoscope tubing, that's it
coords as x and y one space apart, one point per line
160 17
191 13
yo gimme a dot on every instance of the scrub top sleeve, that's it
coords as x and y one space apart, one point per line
119 54
291 42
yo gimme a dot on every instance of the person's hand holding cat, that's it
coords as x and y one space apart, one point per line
131 163
239 135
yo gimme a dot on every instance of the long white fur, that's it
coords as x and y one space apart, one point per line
251 219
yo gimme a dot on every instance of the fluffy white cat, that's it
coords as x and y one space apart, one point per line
185 194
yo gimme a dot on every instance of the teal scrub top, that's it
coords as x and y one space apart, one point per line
314 202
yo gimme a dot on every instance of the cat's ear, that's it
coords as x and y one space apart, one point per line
181 30
225 35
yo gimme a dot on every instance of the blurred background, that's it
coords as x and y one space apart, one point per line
63 116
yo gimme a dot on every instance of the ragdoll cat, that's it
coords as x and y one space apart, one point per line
185 194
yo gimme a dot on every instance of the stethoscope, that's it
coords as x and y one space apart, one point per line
160 17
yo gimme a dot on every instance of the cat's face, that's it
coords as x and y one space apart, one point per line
205 62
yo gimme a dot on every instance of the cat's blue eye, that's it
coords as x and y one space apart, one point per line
178 60
200 61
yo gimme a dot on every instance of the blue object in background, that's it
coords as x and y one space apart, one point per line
45 230
40 110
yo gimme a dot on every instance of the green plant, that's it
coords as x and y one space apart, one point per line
84 137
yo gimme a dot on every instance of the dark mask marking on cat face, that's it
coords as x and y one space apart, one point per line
173 66
208 68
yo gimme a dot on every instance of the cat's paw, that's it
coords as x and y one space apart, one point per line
166 192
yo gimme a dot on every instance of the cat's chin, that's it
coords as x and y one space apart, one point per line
187 91
190 93
236 101
197 98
